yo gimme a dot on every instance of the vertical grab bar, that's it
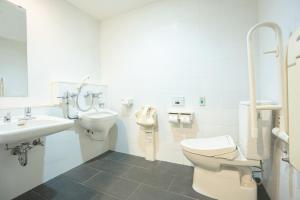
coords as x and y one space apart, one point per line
251 77
1 87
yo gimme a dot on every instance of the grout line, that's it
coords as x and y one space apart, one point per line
184 195
39 194
125 171
88 166
94 168
133 192
83 182
175 193
96 189
107 194
171 183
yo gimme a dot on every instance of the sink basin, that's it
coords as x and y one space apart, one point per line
18 131
98 123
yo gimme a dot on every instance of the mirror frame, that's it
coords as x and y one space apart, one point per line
6 98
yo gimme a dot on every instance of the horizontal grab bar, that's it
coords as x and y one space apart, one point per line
271 51
268 107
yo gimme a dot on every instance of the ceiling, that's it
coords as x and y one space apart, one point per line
101 9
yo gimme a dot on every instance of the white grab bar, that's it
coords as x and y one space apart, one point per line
251 77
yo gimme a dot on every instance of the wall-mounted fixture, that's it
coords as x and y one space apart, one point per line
281 108
178 101
86 103
294 98
202 101
20 134
1 87
181 116
146 118
128 102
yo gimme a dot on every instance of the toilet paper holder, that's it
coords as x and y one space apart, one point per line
181 116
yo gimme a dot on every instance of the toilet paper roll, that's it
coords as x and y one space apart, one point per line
186 119
173 118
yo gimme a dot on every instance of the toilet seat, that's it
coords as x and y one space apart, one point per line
220 147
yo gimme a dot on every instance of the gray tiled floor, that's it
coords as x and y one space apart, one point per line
118 176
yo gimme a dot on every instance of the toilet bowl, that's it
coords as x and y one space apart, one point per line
222 169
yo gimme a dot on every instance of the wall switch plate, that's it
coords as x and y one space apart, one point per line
202 101
178 101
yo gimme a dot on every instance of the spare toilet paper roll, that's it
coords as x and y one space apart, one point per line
186 119
173 118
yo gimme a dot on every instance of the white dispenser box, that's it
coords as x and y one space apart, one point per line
181 116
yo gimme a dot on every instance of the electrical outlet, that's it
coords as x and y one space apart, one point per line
202 101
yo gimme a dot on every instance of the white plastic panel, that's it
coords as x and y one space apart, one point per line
255 148
294 98
294 114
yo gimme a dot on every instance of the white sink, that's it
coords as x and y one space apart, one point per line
98 123
16 132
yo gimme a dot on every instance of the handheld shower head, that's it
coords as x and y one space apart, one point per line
83 81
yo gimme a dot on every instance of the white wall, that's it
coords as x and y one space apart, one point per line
62 45
281 180
13 67
187 48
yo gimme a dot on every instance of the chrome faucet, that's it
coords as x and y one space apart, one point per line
27 112
7 117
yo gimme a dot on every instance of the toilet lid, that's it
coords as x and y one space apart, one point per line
210 146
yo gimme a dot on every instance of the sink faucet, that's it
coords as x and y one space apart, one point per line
27 112
7 117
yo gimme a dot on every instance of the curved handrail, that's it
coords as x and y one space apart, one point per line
251 76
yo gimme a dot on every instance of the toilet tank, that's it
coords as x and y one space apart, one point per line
255 148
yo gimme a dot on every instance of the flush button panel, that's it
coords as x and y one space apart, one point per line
178 101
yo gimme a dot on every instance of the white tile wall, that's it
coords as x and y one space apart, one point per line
189 48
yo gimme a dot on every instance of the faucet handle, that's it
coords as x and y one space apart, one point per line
7 117
27 112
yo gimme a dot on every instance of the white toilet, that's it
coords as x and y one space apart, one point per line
222 170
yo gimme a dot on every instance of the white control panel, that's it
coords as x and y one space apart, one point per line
178 101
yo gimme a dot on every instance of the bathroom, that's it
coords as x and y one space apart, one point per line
185 61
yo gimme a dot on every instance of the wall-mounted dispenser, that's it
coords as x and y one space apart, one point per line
181 116
128 102
174 118
146 118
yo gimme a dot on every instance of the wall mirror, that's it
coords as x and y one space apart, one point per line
13 50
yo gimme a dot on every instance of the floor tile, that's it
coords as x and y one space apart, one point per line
101 196
118 176
183 186
262 193
150 193
116 156
81 173
116 168
115 186
131 160
177 169
31 195
136 174
64 188
156 178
